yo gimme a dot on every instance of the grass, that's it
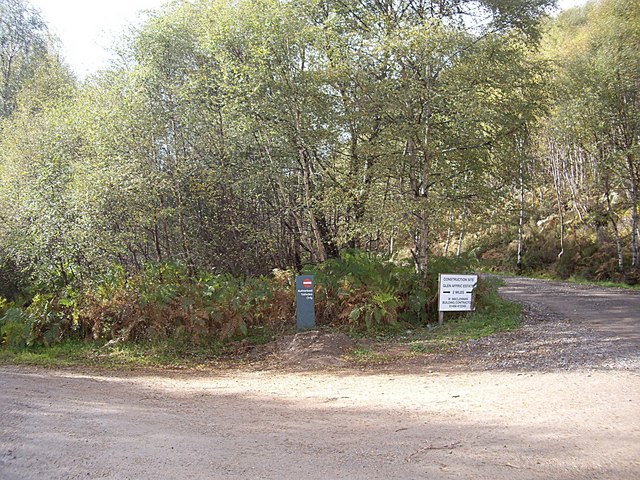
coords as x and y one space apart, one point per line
503 316
369 356
582 281
499 316
60 355
119 356
495 315
605 284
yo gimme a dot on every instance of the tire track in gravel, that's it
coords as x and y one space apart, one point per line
598 326
613 312
534 404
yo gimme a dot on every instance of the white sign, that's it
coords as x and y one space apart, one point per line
456 292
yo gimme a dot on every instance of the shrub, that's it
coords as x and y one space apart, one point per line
363 291
10 277
164 302
358 291
15 328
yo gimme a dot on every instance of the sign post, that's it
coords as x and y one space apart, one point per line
305 303
456 293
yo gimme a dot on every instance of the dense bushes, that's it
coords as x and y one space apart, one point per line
584 257
159 303
357 292
363 292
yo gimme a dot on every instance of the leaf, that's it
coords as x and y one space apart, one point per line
355 314
242 326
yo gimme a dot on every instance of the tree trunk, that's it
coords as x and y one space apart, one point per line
561 218
319 229
520 222
421 248
557 183
418 181
635 261
614 224
449 234
462 230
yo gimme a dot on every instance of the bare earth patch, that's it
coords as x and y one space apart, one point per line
557 399
313 350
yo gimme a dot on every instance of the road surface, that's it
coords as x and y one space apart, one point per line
612 313
501 423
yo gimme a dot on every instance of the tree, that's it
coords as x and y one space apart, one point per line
24 40
245 135
37 150
595 123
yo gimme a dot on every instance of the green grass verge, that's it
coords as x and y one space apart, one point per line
499 316
61 355
604 284
495 315
130 355
122 355
554 278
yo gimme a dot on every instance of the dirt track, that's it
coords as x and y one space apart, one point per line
611 313
501 423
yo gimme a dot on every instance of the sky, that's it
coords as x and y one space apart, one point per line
87 29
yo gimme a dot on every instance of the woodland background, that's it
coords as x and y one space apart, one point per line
233 138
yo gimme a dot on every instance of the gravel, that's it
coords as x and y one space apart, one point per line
564 327
548 341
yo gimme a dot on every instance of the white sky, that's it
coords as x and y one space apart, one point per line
88 28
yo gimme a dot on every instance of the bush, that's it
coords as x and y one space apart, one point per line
46 319
357 292
16 328
10 277
164 302
362 291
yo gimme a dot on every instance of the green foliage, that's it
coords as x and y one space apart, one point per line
164 302
4 305
584 257
465 263
359 292
248 135
23 43
367 292
364 291
11 278
47 319
501 317
257 134
123 355
16 328
492 315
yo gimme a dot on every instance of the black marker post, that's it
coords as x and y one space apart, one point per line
305 303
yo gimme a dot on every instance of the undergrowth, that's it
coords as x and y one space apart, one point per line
162 315
492 315
585 258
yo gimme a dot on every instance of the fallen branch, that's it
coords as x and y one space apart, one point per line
450 446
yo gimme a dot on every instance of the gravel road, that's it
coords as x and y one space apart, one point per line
565 327
513 407
612 314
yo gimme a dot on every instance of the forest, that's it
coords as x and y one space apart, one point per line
374 143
